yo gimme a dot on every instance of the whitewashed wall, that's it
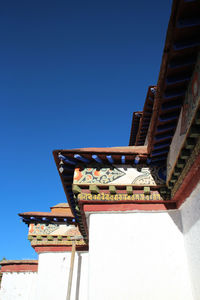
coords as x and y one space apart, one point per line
18 286
137 256
53 272
190 212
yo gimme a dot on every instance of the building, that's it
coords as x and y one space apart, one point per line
134 212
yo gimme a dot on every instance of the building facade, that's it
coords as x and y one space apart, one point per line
132 227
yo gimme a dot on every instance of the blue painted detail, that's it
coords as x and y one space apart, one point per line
162 173
168 106
98 159
61 157
186 44
165 128
44 219
110 159
55 219
159 153
136 160
123 159
66 159
33 218
25 220
81 158
161 146
158 159
65 220
173 80
174 94
186 62
164 118
73 220
188 22
159 138
148 161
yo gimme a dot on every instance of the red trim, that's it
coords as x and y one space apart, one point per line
128 206
189 183
20 268
41 249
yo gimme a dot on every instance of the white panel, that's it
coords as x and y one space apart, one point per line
53 275
190 211
137 256
18 286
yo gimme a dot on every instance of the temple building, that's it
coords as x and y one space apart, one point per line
131 228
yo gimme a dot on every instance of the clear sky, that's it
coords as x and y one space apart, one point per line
71 74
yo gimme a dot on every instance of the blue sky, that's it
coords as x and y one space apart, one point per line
72 73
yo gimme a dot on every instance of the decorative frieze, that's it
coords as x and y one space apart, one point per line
136 175
142 196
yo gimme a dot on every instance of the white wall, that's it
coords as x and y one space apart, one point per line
53 272
190 212
18 286
137 256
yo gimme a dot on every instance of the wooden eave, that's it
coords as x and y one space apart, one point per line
128 153
178 61
47 217
134 127
146 117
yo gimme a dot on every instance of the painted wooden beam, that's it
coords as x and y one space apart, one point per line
123 159
112 189
147 190
161 145
129 190
186 44
136 160
159 153
190 60
190 143
94 189
110 159
81 158
76 189
180 163
177 171
174 94
194 131
67 159
197 118
173 80
185 153
174 178
97 158
189 22
163 190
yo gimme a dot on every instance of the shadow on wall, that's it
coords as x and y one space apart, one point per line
78 277
175 215
190 210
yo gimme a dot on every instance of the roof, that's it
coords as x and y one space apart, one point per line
19 266
60 213
134 127
60 205
142 150
18 262
179 57
145 119
68 159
